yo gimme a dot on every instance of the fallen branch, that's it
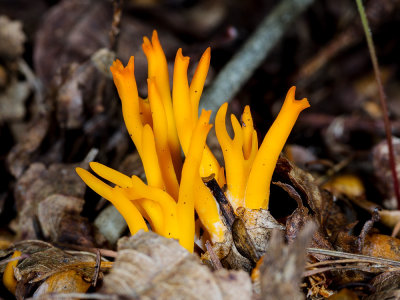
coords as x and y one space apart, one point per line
242 65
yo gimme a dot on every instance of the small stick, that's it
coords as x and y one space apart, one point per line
334 262
214 258
116 23
103 252
325 269
224 205
382 98
6 261
367 228
396 229
243 64
366 258
97 268
334 170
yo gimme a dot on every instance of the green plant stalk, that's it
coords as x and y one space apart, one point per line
382 98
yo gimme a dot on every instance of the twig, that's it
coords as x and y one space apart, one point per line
242 65
367 228
214 258
81 296
321 270
224 205
396 229
366 258
6 261
382 98
96 268
334 170
334 262
103 252
116 23
36 84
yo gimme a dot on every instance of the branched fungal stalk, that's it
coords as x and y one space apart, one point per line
166 123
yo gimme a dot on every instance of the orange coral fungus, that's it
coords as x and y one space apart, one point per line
168 123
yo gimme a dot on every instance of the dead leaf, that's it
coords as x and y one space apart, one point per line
282 268
381 245
229 255
303 183
387 281
50 269
64 282
81 29
301 216
384 295
19 158
256 229
12 101
12 38
149 266
38 183
60 220
383 171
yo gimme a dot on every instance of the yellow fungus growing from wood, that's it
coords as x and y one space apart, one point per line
125 207
186 105
257 190
167 123
158 70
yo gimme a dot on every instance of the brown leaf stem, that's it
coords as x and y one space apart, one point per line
382 98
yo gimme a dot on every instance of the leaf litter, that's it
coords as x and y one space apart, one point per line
327 235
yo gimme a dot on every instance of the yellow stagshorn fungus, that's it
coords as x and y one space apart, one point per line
9 280
167 123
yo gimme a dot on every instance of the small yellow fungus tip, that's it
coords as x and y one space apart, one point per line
167 123
257 190
9 280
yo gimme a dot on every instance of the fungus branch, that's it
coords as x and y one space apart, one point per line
163 125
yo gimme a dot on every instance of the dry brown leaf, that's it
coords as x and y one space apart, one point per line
50 269
12 38
60 220
64 282
149 266
82 87
19 158
380 245
256 229
282 268
386 281
303 183
37 184
12 101
82 28
383 172
384 295
229 255
386 286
